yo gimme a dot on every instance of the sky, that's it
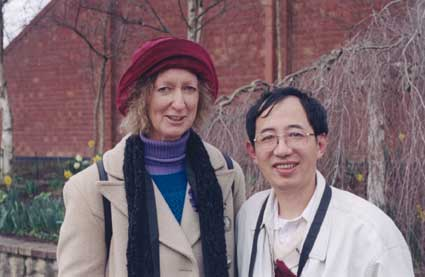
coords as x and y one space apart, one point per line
17 14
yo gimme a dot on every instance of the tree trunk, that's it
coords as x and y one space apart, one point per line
376 156
7 127
99 111
7 134
195 19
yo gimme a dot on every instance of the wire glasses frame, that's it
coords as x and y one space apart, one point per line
293 139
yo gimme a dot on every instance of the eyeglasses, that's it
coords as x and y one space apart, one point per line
293 139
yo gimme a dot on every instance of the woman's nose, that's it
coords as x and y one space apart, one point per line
178 100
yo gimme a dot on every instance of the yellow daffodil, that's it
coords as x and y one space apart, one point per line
67 174
7 181
91 144
96 158
401 136
359 177
78 158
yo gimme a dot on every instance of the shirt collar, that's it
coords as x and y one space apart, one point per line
308 214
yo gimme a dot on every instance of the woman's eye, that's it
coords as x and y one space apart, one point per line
190 89
163 89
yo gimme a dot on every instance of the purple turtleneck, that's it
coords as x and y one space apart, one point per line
165 157
165 162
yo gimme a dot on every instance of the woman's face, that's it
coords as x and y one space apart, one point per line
172 106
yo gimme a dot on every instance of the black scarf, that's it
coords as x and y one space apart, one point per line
142 252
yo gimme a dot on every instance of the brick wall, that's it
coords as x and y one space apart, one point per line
50 80
316 27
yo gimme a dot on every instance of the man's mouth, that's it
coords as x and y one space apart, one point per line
285 166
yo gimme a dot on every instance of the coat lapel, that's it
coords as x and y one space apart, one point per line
171 233
190 221
190 218
115 192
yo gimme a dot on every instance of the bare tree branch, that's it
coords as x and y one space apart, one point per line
211 6
81 36
163 26
182 14
139 21
213 17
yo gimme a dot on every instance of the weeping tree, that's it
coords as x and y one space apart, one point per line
373 90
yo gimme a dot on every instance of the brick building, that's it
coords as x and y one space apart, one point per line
51 72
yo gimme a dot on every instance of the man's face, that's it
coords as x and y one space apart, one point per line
288 165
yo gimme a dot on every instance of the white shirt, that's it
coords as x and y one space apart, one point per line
355 239
289 234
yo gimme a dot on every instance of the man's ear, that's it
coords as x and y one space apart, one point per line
251 151
322 142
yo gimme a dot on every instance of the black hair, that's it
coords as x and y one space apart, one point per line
316 113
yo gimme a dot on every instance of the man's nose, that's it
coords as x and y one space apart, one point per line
282 148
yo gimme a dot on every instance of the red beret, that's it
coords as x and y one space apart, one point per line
164 53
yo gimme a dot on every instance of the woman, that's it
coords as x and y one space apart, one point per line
173 198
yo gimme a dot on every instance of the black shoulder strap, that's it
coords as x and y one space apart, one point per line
107 208
228 160
256 236
315 227
230 166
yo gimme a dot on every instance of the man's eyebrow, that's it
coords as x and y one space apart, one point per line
268 129
295 126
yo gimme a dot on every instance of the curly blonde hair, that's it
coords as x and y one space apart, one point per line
137 121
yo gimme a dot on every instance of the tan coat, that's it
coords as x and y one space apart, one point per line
81 248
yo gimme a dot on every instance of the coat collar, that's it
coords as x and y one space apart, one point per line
114 159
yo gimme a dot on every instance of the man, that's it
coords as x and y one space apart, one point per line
302 226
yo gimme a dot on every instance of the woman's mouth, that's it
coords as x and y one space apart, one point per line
176 119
